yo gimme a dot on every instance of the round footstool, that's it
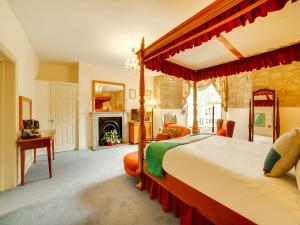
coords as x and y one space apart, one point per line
131 163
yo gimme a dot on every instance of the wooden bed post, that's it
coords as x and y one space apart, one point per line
195 121
142 143
250 121
277 119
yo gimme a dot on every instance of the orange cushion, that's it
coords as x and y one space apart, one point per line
131 163
222 132
168 125
182 131
161 137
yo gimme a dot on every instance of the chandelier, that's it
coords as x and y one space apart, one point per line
132 62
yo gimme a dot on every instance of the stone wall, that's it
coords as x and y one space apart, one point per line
239 90
169 92
284 79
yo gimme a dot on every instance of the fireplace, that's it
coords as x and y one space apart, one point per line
106 121
107 124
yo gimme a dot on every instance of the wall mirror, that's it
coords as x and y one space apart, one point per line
25 110
108 96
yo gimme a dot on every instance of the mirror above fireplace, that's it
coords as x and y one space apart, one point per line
108 96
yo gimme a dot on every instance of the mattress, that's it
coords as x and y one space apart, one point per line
230 172
262 139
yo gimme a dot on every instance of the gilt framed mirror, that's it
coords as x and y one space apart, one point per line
108 96
25 110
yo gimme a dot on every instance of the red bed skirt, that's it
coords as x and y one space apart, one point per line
169 202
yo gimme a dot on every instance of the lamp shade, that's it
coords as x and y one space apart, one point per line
151 103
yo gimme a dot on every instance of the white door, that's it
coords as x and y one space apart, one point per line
63 105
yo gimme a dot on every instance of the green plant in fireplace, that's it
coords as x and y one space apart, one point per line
110 138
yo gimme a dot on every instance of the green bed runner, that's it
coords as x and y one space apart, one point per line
156 151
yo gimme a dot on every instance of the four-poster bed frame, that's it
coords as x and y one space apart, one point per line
220 16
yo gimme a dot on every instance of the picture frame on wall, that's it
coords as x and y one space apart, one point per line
132 94
148 94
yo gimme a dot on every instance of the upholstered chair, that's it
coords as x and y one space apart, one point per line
225 127
169 118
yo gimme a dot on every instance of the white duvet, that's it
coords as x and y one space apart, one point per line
231 172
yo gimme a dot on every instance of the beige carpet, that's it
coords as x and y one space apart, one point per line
88 187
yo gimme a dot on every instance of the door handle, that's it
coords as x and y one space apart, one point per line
51 121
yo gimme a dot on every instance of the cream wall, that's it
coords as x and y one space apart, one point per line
289 118
53 71
241 118
15 44
89 72
1 124
43 101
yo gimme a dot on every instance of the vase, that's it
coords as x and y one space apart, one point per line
110 143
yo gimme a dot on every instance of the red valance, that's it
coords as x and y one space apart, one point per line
263 103
268 59
174 69
260 11
169 202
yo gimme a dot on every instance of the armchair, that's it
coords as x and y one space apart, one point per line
225 127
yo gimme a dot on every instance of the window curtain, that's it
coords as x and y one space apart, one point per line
221 85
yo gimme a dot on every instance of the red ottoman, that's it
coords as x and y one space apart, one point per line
131 163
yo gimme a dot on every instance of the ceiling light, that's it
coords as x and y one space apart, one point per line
132 62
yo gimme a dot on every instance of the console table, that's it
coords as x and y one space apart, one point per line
45 141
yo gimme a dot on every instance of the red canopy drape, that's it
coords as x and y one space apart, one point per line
260 11
268 59
282 56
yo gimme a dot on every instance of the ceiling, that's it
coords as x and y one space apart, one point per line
98 31
208 54
278 29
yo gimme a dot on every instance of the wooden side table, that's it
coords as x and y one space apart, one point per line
34 143
134 131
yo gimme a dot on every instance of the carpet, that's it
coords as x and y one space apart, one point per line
87 188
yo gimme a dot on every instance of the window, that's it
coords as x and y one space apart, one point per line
207 98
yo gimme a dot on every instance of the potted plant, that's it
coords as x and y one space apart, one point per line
110 138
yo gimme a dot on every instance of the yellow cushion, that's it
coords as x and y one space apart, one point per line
172 132
284 154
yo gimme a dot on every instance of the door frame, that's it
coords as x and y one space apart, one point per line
77 108
8 150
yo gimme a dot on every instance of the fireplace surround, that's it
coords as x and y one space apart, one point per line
105 121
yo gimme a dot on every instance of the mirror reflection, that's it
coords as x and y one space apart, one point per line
25 110
108 96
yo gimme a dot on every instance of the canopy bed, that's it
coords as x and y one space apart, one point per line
197 203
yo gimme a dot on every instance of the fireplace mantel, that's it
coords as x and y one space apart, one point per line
95 118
